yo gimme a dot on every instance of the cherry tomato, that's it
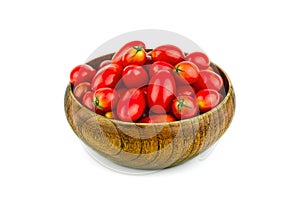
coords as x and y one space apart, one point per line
188 71
161 91
117 58
88 100
81 89
207 99
167 53
184 107
107 76
131 105
185 90
200 59
134 76
208 80
159 65
134 55
104 63
105 99
82 73
158 118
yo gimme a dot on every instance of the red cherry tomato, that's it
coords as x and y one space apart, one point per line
88 100
131 105
104 63
82 73
208 80
161 91
167 53
184 107
207 99
199 58
107 76
134 55
185 90
134 76
81 89
188 71
105 99
158 118
117 58
159 65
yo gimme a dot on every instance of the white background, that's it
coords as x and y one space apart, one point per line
255 42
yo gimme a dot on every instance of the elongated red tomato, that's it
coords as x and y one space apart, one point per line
208 80
107 76
117 58
200 59
207 99
81 89
184 107
131 105
134 55
134 76
161 91
158 118
159 65
168 53
82 73
188 71
105 99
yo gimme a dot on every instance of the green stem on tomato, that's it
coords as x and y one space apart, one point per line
177 69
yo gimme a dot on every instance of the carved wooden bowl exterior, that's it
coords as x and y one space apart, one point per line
150 146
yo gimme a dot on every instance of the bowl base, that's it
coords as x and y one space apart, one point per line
132 171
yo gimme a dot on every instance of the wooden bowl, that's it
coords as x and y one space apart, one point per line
150 146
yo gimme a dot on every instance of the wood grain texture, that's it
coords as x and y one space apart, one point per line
150 146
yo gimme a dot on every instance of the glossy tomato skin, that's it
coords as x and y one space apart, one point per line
134 55
105 99
159 65
88 100
118 56
207 99
157 118
168 53
82 73
188 71
185 90
81 89
107 76
134 76
104 63
131 105
200 59
184 107
161 91
208 80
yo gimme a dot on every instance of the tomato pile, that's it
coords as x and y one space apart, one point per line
149 86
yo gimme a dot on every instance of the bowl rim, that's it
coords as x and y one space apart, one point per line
203 115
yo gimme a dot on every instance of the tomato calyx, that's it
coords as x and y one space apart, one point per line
97 103
181 104
138 49
177 69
